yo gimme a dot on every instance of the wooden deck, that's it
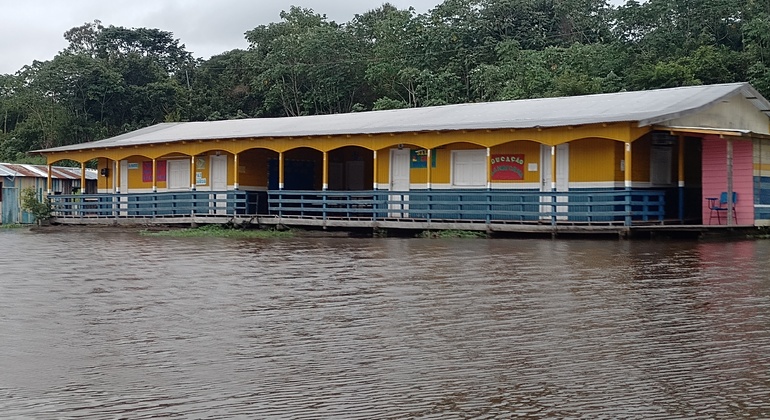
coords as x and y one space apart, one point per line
405 225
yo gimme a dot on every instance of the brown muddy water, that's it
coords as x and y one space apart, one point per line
113 325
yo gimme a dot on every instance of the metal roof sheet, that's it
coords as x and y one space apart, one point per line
41 171
643 107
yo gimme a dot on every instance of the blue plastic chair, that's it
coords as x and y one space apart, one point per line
719 205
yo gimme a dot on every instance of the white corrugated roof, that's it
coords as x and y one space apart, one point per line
643 107
41 171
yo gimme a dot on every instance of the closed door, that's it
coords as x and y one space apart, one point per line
123 186
399 181
399 170
546 177
218 178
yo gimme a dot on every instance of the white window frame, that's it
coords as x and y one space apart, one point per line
481 154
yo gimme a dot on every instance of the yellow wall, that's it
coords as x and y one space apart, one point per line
531 152
594 160
600 144
641 159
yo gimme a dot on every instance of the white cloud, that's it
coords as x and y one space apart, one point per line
33 29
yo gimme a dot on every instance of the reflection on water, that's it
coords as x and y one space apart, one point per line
105 324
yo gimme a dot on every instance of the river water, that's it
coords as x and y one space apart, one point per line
111 325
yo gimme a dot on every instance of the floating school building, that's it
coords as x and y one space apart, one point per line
667 156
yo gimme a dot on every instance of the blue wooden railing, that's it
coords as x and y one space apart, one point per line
154 204
617 207
587 206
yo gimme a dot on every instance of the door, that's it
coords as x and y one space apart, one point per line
399 180
123 187
10 204
546 177
218 178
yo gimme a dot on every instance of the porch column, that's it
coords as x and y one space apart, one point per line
628 182
154 176
374 175
82 177
326 172
49 180
489 168
429 171
628 170
281 168
192 173
235 171
681 179
553 168
116 175
730 204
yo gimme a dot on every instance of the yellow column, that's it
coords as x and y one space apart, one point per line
374 164
628 168
117 177
82 177
154 176
489 168
281 168
326 172
49 181
192 173
235 170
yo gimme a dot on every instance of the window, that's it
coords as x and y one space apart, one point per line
179 174
469 168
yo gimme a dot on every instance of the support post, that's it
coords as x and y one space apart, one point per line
730 204
326 172
553 186
628 170
429 174
681 183
49 180
82 177
489 168
116 174
374 175
154 176
192 173
281 170
628 182
236 185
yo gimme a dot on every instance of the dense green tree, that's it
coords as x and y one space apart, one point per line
308 65
113 79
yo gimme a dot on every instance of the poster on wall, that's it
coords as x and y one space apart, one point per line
160 171
419 158
507 167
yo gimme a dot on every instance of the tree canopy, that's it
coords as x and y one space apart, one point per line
110 80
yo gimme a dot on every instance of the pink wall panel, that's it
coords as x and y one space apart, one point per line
715 177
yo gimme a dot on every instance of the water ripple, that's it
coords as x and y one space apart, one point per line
113 325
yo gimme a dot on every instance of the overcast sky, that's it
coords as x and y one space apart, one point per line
33 29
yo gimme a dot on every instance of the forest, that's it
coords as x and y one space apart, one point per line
110 80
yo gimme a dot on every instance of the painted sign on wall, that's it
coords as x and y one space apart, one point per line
507 167
160 171
419 158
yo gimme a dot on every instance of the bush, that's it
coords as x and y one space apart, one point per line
40 210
